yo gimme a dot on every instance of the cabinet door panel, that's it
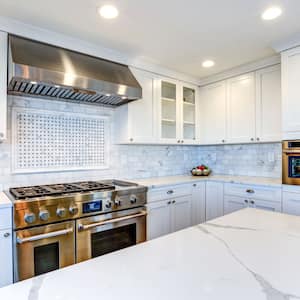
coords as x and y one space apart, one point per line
214 200
141 112
212 113
266 205
291 93
233 203
3 85
268 104
198 203
6 268
241 109
291 203
158 219
181 213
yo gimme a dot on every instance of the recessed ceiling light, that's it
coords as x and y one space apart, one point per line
107 95
208 64
108 11
271 13
33 82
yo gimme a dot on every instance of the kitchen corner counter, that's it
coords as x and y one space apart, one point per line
4 201
157 182
250 254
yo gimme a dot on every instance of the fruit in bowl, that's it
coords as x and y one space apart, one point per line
200 170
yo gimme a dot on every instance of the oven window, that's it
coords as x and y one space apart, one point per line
46 258
113 239
294 166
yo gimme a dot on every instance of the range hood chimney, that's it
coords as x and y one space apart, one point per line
41 70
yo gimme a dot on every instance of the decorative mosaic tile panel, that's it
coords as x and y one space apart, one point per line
50 141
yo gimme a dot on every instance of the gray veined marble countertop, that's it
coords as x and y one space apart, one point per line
157 182
248 255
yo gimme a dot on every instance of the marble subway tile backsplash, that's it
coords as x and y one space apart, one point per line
142 161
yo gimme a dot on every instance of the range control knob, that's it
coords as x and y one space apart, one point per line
73 210
29 217
118 202
108 204
133 199
44 215
61 212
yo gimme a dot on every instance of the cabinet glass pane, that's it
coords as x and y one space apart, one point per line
189 107
168 110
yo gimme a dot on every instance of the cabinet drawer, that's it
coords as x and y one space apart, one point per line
253 192
5 218
169 192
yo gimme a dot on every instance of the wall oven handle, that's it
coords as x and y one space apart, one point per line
44 236
111 221
291 151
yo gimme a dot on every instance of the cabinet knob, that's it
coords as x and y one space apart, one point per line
169 202
252 202
246 201
223 141
6 234
170 192
258 139
178 141
1 135
182 141
195 184
131 139
252 139
173 201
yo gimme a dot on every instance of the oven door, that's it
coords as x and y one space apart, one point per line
291 167
106 233
43 249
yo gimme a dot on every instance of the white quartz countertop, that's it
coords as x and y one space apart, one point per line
157 182
248 255
4 201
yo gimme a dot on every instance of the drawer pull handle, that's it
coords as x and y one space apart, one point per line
250 191
169 202
6 234
170 192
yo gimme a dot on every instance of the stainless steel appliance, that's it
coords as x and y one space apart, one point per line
291 162
45 71
58 225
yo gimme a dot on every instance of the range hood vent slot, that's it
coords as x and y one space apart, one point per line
45 71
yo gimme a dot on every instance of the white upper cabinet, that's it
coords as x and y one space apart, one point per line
135 122
241 108
3 85
212 113
177 112
268 104
290 61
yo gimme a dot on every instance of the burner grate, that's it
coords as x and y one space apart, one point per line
58 189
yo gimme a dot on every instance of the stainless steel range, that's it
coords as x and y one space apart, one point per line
61 224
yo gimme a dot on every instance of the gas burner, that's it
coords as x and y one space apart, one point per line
59 189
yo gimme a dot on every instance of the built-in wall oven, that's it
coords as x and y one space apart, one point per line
291 162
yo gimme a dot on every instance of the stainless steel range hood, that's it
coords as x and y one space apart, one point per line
41 70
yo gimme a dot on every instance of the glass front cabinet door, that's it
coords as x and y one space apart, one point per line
177 112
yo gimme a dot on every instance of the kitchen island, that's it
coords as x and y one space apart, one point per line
249 254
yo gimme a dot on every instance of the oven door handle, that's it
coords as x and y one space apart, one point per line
44 236
291 152
111 221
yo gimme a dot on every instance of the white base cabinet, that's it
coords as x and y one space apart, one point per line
238 196
168 216
214 200
198 203
6 258
291 203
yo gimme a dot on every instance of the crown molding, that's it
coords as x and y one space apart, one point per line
61 40
288 43
250 67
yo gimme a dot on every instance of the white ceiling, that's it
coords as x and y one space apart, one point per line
177 34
